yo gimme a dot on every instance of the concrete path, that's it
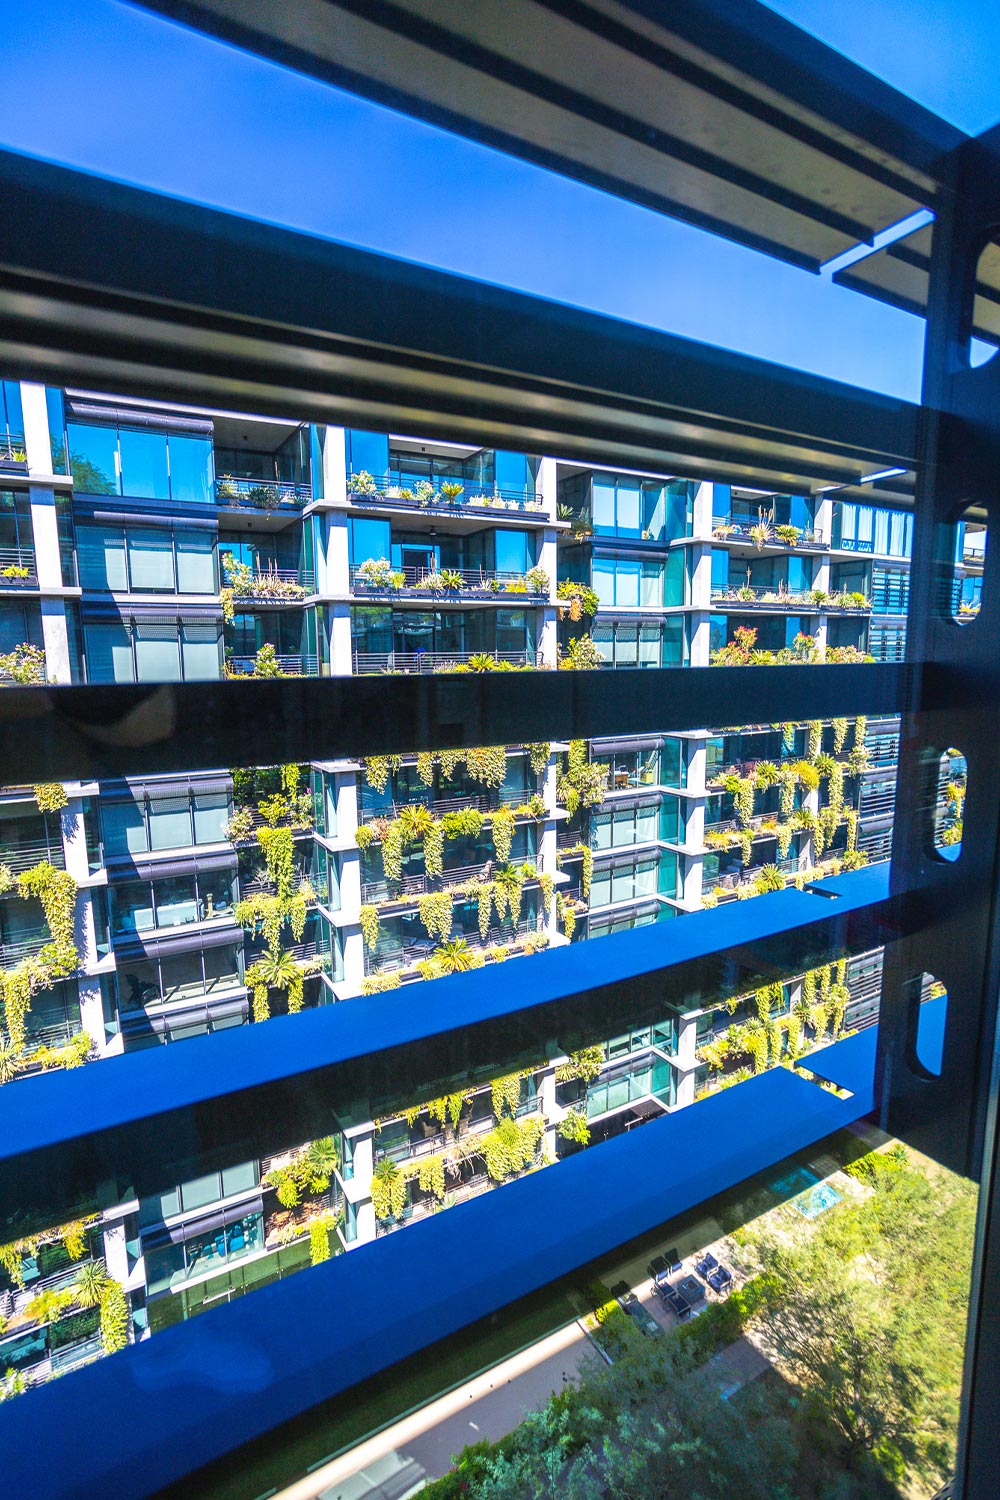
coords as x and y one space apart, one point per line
423 1443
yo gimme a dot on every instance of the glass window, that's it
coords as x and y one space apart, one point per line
201 646
368 538
101 556
156 654
144 464
124 828
151 561
169 823
215 894
93 459
649 645
368 451
512 551
604 504
646 819
628 507
651 584
191 473
626 645
604 581
195 562
222 969
239 1179
200 1190
600 888
600 837
139 983
181 976
175 902
108 650
131 907
211 814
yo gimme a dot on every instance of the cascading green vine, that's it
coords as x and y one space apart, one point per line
436 913
586 1063
449 761
815 738
388 1190
114 1317
783 833
505 1092
538 755
378 769
392 852
852 830
50 796
511 1146
425 766
487 764
583 783
836 792
547 886
839 734
434 850
56 890
369 926
483 894
279 850
503 833
786 791
565 914
746 845
741 789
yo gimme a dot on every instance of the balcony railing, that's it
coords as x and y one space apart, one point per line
477 583
806 601
290 664
437 661
363 489
260 494
809 540
24 946
388 956
429 1145
17 568
27 856
12 450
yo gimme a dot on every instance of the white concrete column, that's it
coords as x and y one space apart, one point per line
687 1041
364 1166
548 559
37 443
547 490
55 641
697 759
335 466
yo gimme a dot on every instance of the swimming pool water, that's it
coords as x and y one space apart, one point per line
809 1195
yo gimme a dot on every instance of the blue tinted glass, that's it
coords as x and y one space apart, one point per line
57 430
368 451
673 577
604 504
191 472
109 653
368 539
11 397
512 551
511 472
627 588
93 453
144 464
604 581
628 507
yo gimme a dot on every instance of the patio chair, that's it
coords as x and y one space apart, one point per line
673 1256
706 1265
720 1280
659 1268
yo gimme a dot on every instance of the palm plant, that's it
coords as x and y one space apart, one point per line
8 1061
415 822
276 967
91 1283
454 956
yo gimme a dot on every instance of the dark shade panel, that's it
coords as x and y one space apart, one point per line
718 113
167 300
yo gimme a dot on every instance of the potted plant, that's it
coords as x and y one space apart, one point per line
722 529
537 581
788 534
375 572
763 532
451 579
450 490
14 572
225 487
362 483
746 593
433 581
425 492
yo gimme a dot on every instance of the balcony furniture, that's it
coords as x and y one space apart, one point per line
706 1265
721 1280
691 1289
659 1269
673 1258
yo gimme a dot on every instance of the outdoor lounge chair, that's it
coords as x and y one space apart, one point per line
706 1265
721 1280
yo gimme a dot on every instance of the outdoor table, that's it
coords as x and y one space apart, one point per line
691 1290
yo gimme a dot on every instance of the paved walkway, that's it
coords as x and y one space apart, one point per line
488 1406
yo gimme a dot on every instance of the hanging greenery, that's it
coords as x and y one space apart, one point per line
508 889
786 791
746 845
815 738
434 849
265 914
769 998
807 775
430 1175
392 852
50 796
538 755
436 913
836 797
378 769
585 1063
583 783
511 1146
369 926
74 1238
114 1317
503 833
506 1091
467 822
573 1127
565 914
425 767
319 1240
449 761
860 729
756 1044
56 890
279 849
487 765
388 1190
547 886
783 833
839 734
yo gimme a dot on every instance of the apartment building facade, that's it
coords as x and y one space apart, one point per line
143 542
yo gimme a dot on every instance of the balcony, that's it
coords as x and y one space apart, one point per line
261 495
482 802
27 856
402 892
368 662
389 957
364 489
17 566
430 1145
806 601
292 664
25 945
12 452
450 585
808 540
269 588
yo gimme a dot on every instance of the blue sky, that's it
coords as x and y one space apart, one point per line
113 89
